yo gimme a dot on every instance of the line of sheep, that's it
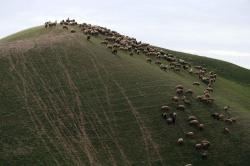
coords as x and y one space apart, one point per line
117 42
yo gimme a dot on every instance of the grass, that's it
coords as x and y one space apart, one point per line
72 102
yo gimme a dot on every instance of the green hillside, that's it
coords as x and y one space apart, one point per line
65 100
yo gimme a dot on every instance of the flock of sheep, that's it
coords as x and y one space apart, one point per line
166 61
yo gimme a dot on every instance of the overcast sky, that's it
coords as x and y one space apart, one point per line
213 28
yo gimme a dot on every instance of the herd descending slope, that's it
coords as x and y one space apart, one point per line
66 100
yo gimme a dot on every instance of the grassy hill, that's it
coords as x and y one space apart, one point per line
68 101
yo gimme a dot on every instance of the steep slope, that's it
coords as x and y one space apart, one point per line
69 101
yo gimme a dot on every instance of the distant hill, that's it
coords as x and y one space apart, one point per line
66 100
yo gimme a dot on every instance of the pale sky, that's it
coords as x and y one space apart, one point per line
215 28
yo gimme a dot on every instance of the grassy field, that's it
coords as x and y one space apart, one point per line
68 101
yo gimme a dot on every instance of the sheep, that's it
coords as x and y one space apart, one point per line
204 155
189 134
205 144
65 27
163 67
209 89
194 122
189 91
226 108
109 46
192 118
217 116
181 107
196 83
177 69
199 98
164 115
226 130
190 71
185 67
131 53
165 108
180 141
73 31
198 146
209 101
88 37
198 67
201 126
186 101
175 99
188 165
221 116
114 51
229 121
207 95
149 60
179 91
169 120
158 62
173 116
104 42
179 87
233 120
